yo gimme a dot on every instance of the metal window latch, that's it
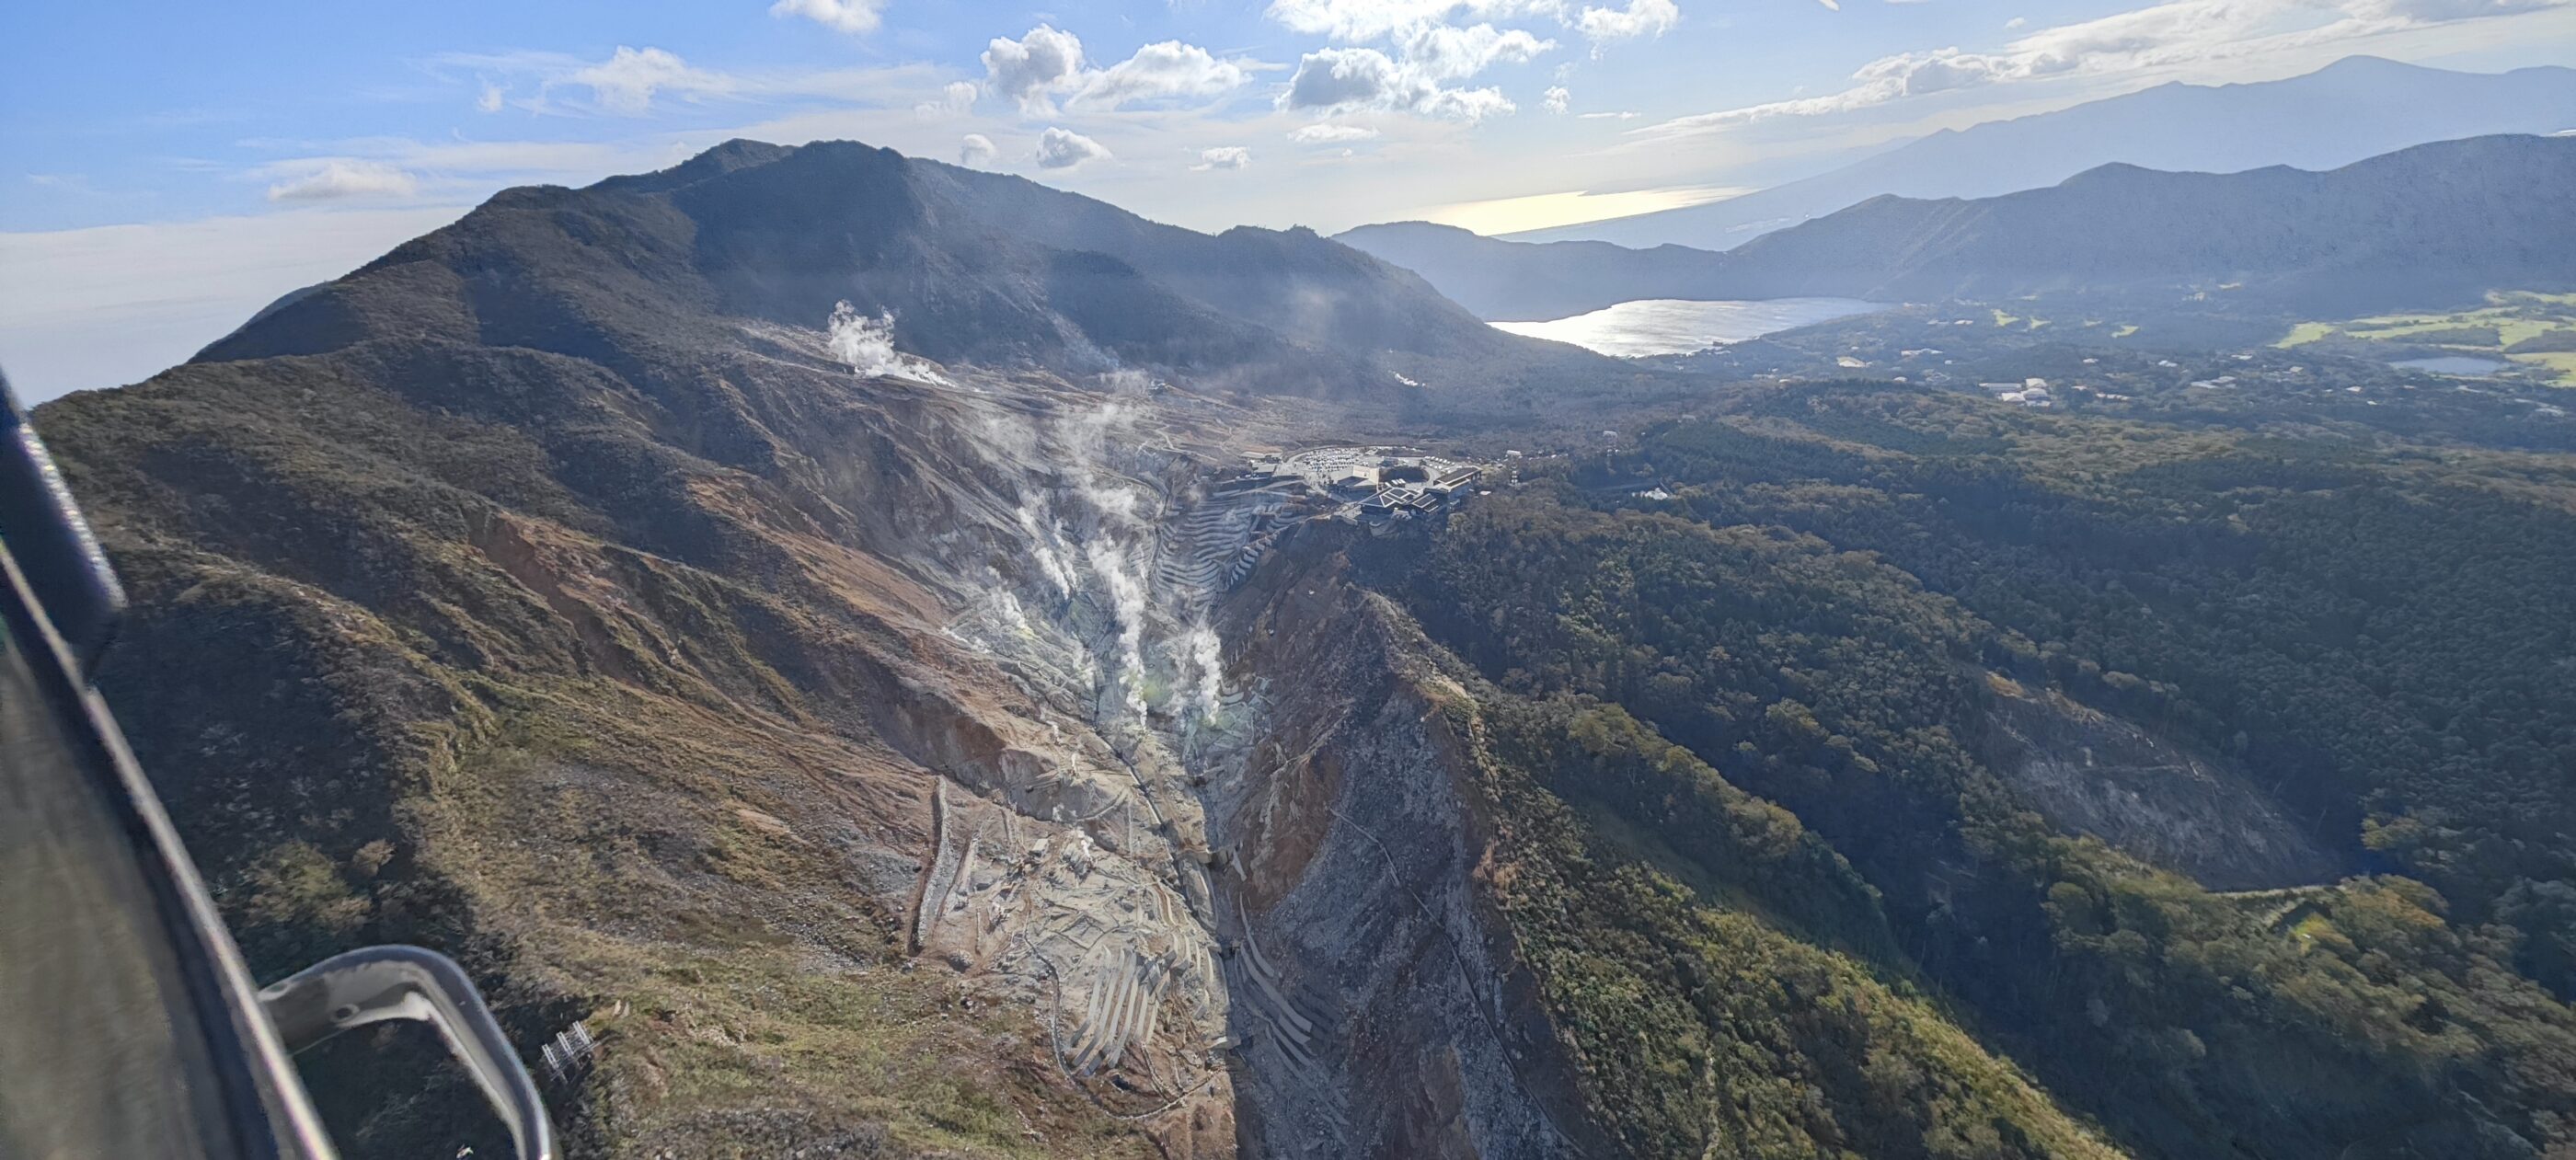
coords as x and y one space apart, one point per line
375 984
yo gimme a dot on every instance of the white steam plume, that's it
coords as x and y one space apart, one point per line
1127 601
866 345
1208 653
1049 550
1115 504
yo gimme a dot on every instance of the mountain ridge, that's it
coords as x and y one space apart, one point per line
964 266
2434 224
2366 105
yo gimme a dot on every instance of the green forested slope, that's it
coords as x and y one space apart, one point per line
1727 993
2377 635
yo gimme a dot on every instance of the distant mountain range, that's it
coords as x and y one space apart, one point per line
2355 108
1508 281
972 267
2432 225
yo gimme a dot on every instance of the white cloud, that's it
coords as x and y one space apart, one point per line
403 169
1339 77
1064 149
975 150
1345 79
1915 74
1639 18
956 98
1166 70
2439 11
628 79
2169 35
1875 93
1558 99
2015 22
1224 157
1445 52
1836 5
1327 133
517 161
851 16
1366 20
633 81
339 178
1048 62
491 99
1031 70
1432 46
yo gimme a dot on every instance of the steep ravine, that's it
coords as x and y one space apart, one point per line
1383 1009
1299 805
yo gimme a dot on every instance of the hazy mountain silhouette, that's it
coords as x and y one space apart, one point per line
2430 225
2355 108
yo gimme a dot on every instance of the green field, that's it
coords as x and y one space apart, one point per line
2537 330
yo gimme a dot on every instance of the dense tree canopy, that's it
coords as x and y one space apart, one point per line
1785 663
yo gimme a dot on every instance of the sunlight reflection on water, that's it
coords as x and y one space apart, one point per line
1675 326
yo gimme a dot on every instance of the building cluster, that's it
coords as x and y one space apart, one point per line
1405 488
2028 392
1369 486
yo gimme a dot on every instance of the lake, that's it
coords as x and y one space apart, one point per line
2452 364
1675 326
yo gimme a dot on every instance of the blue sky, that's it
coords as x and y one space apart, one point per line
166 168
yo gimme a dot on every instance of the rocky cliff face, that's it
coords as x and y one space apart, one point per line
2194 813
1381 1001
